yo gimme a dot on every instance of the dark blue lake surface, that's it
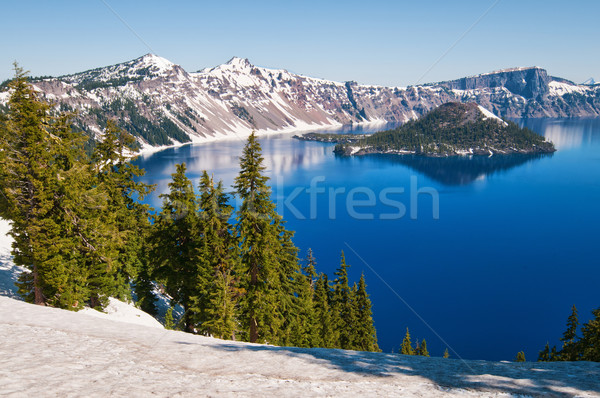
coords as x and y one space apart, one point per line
514 246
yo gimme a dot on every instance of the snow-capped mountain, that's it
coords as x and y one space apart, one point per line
162 104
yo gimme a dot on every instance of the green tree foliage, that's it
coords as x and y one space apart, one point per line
343 307
520 357
365 337
176 243
65 221
589 344
306 321
406 347
264 262
422 349
544 355
216 299
586 348
169 321
569 351
325 333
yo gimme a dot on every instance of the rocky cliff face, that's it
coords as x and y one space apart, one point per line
162 104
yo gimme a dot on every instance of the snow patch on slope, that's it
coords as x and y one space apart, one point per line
560 88
117 310
489 115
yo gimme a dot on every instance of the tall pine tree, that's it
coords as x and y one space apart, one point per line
569 351
342 307
365 337
406 347
176 242
216 299
260 249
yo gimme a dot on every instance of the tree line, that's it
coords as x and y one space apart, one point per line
80 228
579 342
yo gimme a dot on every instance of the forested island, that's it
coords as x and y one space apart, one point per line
449 130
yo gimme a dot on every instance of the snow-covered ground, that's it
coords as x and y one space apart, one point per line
51 352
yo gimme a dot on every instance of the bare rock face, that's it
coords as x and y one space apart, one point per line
162 104
526 82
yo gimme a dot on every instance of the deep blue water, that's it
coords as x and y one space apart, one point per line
514 246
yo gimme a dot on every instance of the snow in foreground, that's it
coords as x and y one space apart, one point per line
46 351
125 352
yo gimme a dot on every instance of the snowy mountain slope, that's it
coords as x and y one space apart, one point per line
162 104
51 352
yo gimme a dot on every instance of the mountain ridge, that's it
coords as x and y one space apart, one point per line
162 104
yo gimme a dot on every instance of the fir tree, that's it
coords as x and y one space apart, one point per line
406 347
216 297
326 336
176 243
45 188
118 175
290 319
423 349
520 357
307 329
569 338
365 337
169 321
446 353
544 355
590 341
144 290
342 307
260 247
554 355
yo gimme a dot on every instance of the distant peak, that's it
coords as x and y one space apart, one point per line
157 64
239 62
155 59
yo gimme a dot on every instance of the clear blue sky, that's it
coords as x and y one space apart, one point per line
370 41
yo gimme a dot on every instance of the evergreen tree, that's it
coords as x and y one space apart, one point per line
590 341
520 357
307 328
217 293
569 338
326 336
260 248
364 330
144 290
544 355
406 347
176 243
292 326
554 356
124 218
169 321
46 190
446 353
423 349
342 307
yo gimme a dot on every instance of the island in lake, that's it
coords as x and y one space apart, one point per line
449 130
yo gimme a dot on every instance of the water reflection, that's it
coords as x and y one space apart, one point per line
460 170
565 133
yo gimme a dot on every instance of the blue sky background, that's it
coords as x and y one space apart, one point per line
374 42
